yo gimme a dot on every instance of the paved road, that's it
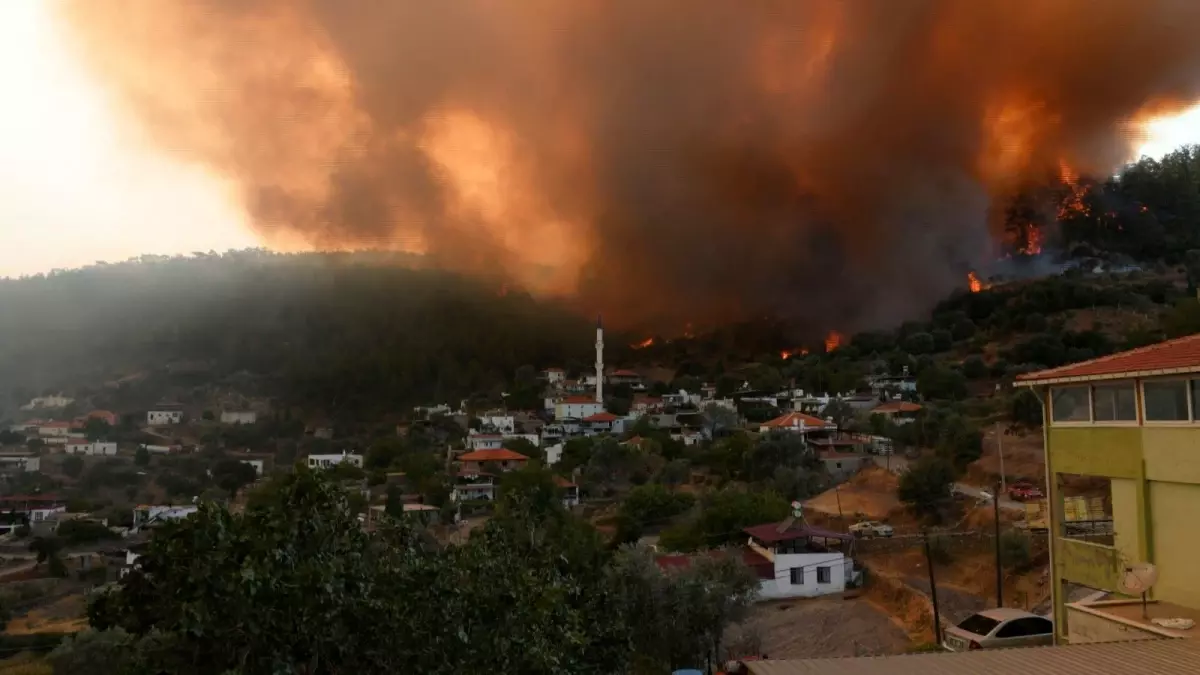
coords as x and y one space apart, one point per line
898 464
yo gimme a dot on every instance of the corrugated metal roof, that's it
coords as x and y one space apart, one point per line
1160 657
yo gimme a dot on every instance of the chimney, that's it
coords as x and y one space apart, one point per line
599 361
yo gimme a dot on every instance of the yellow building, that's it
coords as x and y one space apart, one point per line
1132 418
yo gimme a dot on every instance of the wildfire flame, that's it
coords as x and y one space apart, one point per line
1072 204
789 353
1033 240
643 344
833 341
974 283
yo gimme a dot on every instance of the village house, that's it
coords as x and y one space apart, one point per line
147 515
331 460
644 403
239 417
794 560
681 399
798 423
478 441
570 491
554 376
600 423
54 429
899 412
624 377
475 479
164 414
577 407
840 464
18 462
427 411
903 384
503 424
85 447
48 402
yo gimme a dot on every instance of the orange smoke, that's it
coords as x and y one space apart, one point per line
643 344
833 341
659 161
974 283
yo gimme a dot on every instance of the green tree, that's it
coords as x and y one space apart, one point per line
943 383
919 343
722 517
649 505
96 429
394 506
974 368
1025 408
232 475
943 340
1016 551
72 465
926 486
141 457
48 550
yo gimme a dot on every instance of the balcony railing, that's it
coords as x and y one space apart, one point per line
1092 565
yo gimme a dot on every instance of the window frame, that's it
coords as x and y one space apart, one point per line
1086 386
796 573
1138 415
1187 389
827 573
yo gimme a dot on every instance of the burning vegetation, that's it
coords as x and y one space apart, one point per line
833 341
659 161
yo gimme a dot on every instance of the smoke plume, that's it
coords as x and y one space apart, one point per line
657 160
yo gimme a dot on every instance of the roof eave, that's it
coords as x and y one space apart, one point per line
1127 375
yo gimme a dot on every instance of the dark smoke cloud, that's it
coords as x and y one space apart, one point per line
675 160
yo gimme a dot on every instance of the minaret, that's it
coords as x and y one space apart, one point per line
599 361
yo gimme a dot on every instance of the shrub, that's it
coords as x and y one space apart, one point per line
1016 551
92 651
940 550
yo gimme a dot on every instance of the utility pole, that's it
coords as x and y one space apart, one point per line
999 569
937 617
1000 453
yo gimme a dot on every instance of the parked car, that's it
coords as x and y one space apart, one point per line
1024 491
871 528
999 628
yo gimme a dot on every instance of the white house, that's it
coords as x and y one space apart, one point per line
159 449
795 422
485 441
257 464
163 416
239 417
553 453
145 516
326 461
793 560
554 375
54 429
55 401
19 461
681 399
505 424
577 407
600 423
84 447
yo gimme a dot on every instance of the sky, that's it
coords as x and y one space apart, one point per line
78 184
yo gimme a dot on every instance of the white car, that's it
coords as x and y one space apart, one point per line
871 528
999 628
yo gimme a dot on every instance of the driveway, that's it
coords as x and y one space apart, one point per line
898 464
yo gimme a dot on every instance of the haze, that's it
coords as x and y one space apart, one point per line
82 183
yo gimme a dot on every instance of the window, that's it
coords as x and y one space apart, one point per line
1069 404
978 624
797 576
1166 401
1025 627
1195 399
823 575
1114 403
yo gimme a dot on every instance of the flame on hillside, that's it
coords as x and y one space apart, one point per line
643 344
789 353
974 283
833 341
1072 204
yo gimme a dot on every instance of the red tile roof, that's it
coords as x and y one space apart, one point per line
769 533
563 482
795 419
623 373
500 455
895 407
57 425
601 417
1181 355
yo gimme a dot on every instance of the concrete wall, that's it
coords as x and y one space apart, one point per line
1175 524
781 586
1125 500
1092 565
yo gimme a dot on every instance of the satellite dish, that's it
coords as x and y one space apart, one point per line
1138 579
797 510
